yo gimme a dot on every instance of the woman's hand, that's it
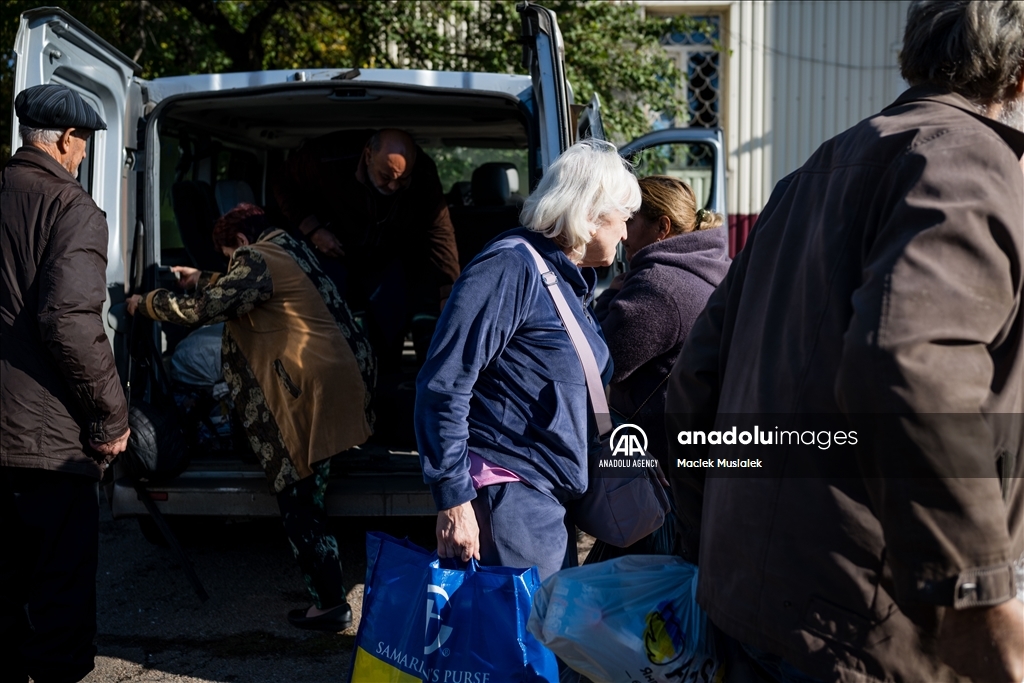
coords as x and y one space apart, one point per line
458 534
188 277
132 303
326 243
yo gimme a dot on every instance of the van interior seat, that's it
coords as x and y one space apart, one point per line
460 194
195 210
496 183
495 208
231 193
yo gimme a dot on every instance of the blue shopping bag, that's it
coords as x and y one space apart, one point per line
424 619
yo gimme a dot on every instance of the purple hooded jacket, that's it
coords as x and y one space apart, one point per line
646 321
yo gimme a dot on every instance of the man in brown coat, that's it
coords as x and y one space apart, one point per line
879 296
63 416
372 206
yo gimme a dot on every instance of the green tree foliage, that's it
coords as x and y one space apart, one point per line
611 50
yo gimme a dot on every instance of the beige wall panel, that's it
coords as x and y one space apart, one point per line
799 72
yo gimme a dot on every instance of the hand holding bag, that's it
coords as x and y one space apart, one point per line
622 504
425 620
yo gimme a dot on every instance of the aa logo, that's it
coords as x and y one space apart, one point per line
664 640
437 601
629 441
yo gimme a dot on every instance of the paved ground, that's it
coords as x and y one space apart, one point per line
152 627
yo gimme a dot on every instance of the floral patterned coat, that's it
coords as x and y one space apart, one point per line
236 297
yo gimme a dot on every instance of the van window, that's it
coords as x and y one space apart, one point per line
201 177
85 169
456 164
170 237
239 165
693 163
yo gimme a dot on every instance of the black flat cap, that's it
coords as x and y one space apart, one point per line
55 106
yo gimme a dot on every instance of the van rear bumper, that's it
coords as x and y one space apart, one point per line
241 491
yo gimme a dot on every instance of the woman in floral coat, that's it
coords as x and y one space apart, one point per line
300 373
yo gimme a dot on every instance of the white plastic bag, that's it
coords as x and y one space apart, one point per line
631 619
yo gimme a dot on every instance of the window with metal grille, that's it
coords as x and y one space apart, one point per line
696 57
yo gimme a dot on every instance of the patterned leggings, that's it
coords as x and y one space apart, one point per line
305 524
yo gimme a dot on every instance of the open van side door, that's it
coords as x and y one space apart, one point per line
695 155
544 56
588 122
54 47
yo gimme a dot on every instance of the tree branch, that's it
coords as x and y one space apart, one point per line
229 39
254 32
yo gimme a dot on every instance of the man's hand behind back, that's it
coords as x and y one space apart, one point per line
111 449
985 644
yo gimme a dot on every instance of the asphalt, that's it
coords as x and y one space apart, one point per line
152 627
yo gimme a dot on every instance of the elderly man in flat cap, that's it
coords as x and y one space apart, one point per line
63 415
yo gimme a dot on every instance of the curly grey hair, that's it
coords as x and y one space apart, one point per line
973 47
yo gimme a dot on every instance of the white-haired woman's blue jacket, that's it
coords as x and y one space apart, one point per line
502 378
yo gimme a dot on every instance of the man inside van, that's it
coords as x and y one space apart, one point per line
63 415
880 296
372 205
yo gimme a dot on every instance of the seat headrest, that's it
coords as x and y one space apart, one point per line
231 193
460 193
494 183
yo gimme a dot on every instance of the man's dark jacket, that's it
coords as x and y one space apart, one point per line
58 384
413 224
881 288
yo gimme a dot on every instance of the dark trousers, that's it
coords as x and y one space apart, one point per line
747 664
49 537
315 548
394 301
521 527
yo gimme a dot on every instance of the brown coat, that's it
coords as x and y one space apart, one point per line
881 287
58 384
303 364
299 367
413 225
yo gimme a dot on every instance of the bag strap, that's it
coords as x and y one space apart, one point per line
579 341
646 400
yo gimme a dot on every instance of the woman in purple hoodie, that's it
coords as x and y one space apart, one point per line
677 256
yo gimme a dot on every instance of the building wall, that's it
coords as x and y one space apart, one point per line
799 72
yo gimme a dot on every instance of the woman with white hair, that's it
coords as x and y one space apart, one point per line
502 416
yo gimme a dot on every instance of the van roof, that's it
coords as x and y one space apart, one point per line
509 84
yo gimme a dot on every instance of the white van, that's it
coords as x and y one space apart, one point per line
177 149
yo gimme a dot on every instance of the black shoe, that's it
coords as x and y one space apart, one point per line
334 620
